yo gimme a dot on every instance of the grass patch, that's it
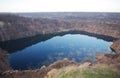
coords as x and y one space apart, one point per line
71 74
100 73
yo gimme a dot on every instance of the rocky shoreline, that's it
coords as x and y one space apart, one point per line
116 46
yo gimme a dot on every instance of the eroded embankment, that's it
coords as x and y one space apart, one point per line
4 65
116 46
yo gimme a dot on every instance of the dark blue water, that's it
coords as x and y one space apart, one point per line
75 47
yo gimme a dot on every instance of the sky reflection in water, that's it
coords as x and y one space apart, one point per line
74 47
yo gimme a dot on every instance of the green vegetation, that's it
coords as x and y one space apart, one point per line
70 74
75 72
100 73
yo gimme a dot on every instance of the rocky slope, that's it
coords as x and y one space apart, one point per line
116 46
4 65
14 27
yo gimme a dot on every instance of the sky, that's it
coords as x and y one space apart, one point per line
59 5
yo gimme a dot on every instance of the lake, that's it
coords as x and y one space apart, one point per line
75 47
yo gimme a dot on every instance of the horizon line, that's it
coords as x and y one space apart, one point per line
63 12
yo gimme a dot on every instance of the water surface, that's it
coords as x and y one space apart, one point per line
75 47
